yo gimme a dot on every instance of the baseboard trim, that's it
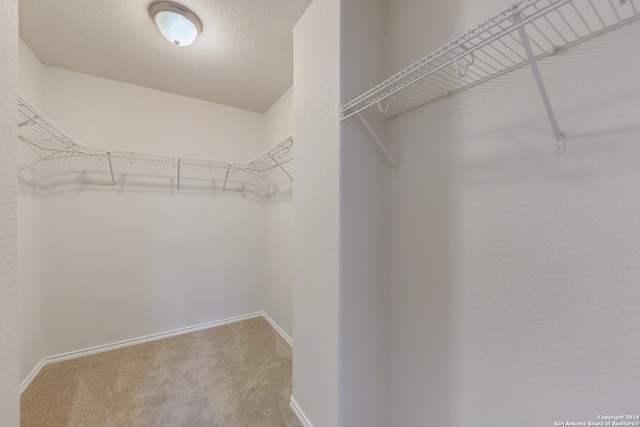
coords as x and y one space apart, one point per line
126 343
34 373
301 416
278 329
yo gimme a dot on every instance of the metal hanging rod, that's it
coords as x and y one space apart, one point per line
493 48
49 142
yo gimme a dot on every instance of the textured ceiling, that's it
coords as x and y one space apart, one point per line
243 57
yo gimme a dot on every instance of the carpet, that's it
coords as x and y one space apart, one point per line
233 375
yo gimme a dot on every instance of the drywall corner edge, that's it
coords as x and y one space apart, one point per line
299 413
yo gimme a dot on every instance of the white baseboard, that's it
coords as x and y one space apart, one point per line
126 343
278 329
32 375
301 416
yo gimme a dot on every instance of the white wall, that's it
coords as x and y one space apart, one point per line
227 230
317 210
362 361
141 257
31 211
9 315
107 113
512 272
31 76
278 303
278 120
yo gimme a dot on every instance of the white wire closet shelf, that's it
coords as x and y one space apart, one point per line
50 143
527 31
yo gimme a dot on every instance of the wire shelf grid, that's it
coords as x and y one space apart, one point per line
492 49
58 149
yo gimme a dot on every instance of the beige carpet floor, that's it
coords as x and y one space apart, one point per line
232 375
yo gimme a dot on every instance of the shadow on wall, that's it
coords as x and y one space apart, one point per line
500 252
420 228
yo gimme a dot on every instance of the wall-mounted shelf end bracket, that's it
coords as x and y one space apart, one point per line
378 141
560 143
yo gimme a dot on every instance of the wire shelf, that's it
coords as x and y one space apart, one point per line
492 49
58 149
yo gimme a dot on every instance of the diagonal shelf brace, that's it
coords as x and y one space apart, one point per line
50 156
224 186
377 140
32 146
280 166
560 143
113 180
178 174
276 188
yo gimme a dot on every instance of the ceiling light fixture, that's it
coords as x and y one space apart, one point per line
176 23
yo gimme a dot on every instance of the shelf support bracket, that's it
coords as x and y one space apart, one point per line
178 174
26 122
280 166
224 186
276 188
462 69
385 110
32 146
113 180
377 140
560 143
50 156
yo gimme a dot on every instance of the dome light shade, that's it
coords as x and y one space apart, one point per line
176 23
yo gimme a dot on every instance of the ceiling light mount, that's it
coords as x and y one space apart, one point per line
176 23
